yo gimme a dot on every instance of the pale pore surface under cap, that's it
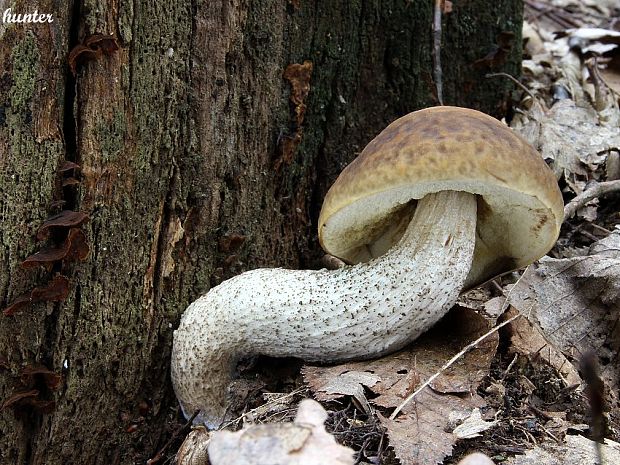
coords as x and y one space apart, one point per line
504 238
358 312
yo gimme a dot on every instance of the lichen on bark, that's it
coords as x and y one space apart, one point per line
25 62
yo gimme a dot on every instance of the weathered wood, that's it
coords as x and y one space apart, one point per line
194 167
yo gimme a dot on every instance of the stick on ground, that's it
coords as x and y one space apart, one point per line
466 349
450 362
593 192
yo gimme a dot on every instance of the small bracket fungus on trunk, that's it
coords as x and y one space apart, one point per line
441 200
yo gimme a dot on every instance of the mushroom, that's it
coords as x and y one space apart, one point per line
441 200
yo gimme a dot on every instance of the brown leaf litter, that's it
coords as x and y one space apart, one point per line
574 302
424 433
574 450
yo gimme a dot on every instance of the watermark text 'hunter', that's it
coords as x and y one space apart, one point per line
35 17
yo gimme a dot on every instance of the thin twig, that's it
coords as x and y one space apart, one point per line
157 457
380 446
595 391
550 434
513 79
591 193
510 365
496 285
262 407
553 13
601 88
437 50
586 234
605 231
450 362
466 349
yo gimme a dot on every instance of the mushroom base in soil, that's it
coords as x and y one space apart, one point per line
442 199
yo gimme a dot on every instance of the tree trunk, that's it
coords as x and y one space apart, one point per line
202 154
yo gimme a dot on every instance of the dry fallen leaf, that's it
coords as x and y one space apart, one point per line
473 425
275 402
423 432
527 339
575 450
303 442
572 137
575 303
393 373
351 383
193 451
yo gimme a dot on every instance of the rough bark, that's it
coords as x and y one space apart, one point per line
194 167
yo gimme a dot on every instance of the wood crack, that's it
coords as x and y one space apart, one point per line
156 272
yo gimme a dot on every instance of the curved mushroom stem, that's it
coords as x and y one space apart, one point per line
358 312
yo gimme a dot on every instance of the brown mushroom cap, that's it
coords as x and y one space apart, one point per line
520 207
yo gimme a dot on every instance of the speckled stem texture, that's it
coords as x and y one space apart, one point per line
358 312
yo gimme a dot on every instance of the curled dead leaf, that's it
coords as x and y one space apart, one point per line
193 451
74 248
348 383
57 289
93 46
574 450
50 378
104 42
572 138
421 434
574 301
473 426
68 165
64 219
18 397
528 340
70 181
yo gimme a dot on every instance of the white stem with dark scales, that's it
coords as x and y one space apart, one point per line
353 313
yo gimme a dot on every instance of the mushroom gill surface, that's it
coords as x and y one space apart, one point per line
357 312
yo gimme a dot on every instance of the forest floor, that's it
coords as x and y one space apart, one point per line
525 369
